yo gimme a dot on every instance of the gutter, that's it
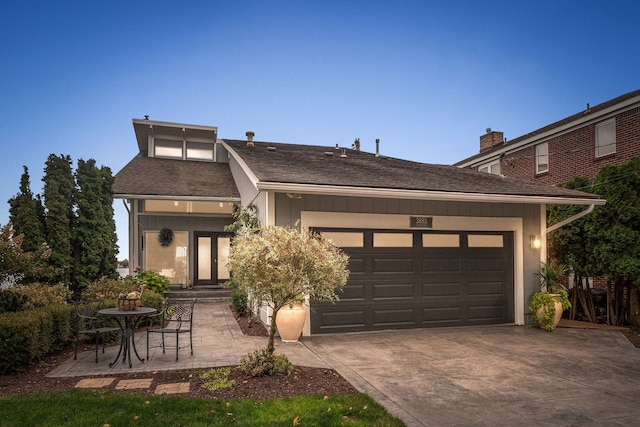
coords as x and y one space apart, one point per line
561 224
422 194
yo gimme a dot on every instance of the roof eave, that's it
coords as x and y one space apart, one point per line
423 194
165 197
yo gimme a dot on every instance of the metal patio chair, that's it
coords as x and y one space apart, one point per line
175 319
87 322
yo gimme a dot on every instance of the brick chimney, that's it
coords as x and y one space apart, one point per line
491 139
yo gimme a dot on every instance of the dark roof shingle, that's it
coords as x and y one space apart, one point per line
147 176
317 165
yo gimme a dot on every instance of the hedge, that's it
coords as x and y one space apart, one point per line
28 335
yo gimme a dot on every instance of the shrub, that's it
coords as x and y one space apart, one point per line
262 362
11 301
43 295
24 337
151 279
217 379
239 301
106 288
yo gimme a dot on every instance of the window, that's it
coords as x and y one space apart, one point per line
493 167
167 148
170 261
199 150
188 206
606 138
542 158
392 240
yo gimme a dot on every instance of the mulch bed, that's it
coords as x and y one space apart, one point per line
302 381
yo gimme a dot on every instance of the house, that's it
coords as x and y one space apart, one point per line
578 145
429 245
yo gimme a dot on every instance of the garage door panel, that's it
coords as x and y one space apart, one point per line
440 315
441 289
393 318
393 291
393 266
356 266
353 292
486 264
486 288
336 320
487 313
444 265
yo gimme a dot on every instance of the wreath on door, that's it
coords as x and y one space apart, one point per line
165 237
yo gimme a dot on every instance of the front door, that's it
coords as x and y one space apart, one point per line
212 254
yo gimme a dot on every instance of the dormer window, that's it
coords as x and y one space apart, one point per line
167 148
184 150
199 151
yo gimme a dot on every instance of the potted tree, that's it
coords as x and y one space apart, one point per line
278 265
547 305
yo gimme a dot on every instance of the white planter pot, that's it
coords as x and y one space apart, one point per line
290 321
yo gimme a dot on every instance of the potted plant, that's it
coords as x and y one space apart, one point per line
547 305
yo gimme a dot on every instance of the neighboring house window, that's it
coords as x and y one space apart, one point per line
493 167
167 148
606 138
542 158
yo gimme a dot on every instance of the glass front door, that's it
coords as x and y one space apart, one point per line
212 255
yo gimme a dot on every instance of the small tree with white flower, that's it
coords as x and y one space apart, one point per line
279 264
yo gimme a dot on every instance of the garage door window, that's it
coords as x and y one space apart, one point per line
392 240
344 239
440 241
485 241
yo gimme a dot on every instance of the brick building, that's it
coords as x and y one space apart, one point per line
578 145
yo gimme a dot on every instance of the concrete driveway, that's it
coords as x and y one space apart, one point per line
492 376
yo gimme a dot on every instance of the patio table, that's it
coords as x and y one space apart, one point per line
128 321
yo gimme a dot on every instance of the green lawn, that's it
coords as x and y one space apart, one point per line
85 408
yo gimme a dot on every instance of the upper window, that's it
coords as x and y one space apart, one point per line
167 148
542 158
189 150
493 167
606 138
199 151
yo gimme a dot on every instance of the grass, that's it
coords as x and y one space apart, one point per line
113 409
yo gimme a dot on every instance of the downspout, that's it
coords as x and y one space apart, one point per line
569 220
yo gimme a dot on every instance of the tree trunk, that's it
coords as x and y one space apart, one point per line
634 306
271 348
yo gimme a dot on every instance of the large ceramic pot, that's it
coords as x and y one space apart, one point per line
290 321
558 314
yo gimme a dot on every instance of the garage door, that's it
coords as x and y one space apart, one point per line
419 279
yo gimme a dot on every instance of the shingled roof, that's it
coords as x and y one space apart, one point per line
147 176
308 166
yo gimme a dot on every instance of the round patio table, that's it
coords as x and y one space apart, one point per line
128 321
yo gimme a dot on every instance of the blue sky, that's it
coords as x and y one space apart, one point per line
426 77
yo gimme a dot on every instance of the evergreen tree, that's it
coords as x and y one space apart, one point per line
95 245
25 215
59 198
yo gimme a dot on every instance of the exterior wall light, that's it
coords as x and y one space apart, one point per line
535 242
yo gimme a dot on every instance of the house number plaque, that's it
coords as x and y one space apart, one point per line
421 222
